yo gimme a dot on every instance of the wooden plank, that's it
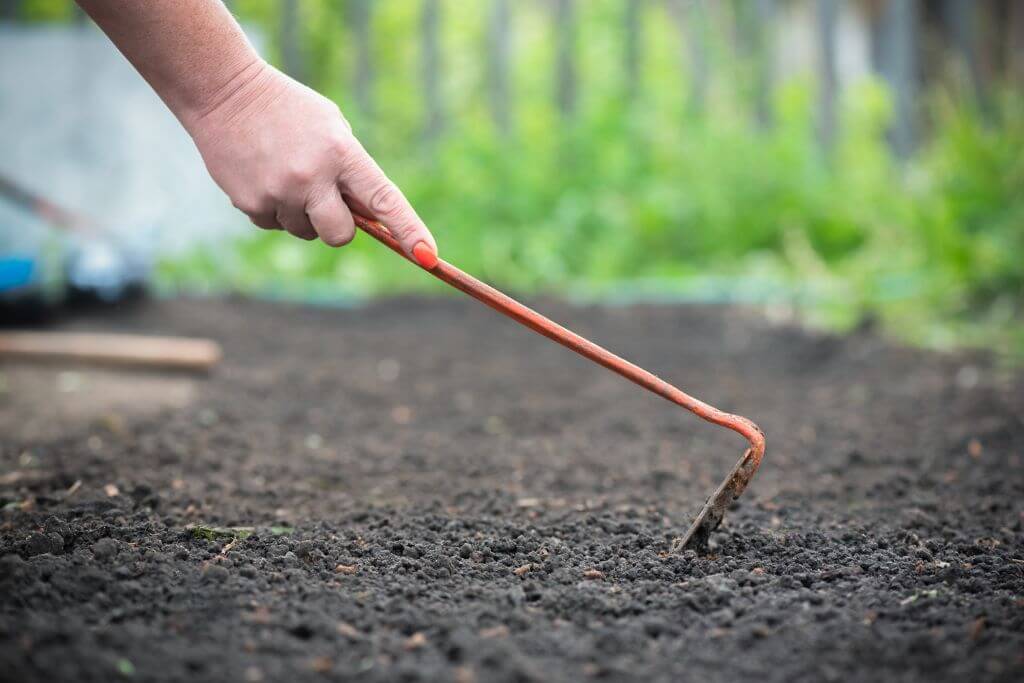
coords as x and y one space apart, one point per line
111 349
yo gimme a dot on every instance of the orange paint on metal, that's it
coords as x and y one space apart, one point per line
734 484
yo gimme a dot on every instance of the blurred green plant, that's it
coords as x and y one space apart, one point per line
652 195
971 210
709 208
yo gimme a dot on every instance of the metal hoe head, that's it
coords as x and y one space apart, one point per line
735 483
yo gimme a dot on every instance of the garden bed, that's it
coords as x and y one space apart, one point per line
423 490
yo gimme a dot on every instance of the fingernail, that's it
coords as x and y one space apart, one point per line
424 255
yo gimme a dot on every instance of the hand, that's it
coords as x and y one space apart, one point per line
287 158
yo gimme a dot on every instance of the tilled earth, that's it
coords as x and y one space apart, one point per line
421 490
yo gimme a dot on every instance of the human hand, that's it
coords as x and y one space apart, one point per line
287 158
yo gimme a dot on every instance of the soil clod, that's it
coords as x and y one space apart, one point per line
105 549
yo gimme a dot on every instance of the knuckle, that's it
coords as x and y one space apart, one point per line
405 232
354 162
242 204
299 175
249 205
340 144
316 199
267 199
330 106
322 196
277 193
386 200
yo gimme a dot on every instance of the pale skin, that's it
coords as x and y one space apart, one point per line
283 153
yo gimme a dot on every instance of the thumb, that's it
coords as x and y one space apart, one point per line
368 191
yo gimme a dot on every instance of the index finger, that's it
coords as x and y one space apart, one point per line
367 190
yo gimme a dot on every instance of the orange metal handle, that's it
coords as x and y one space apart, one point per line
711 515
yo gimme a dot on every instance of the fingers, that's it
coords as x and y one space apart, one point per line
331 217
369 191
325 215
294 220
267 221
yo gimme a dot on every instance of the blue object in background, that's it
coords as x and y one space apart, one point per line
16 272
41 266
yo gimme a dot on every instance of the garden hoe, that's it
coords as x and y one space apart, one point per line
729 490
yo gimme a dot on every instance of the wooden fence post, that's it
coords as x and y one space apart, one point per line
430 22
1015 43
565 39
364 74
697 27
690 19
899 59
291 41
499 51
10 9
827 85
961 19
633 47
875 31
752 28
763 34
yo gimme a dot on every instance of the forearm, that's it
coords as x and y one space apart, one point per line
192 52
283 153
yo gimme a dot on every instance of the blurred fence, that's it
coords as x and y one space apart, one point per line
910 44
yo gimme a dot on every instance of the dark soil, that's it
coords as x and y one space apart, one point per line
436 494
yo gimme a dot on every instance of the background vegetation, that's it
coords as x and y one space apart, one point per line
644 148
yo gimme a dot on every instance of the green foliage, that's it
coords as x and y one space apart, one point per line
648 191
972 216
44 10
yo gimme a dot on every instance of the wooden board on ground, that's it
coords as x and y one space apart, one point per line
180 353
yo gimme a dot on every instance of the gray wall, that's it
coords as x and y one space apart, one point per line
78 125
